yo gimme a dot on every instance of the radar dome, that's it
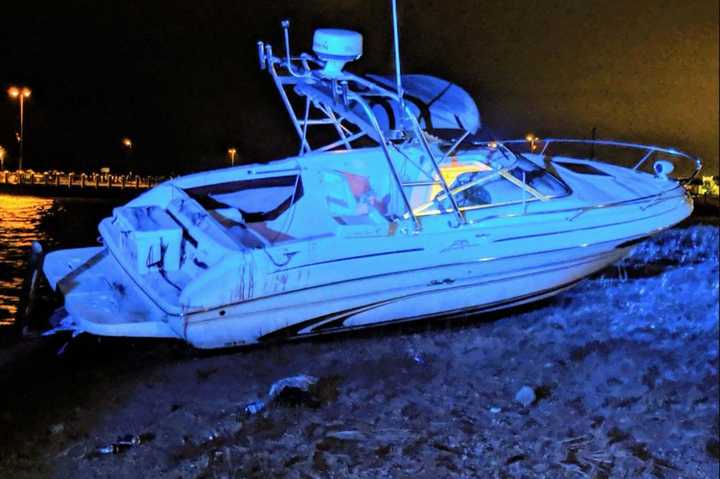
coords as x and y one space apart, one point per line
336 47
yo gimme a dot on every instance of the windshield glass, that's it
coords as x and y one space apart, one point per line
537 178
488 178
254 212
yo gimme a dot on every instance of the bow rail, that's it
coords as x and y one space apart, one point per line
648 152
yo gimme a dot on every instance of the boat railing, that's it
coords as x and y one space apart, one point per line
639 157
343 101
576 212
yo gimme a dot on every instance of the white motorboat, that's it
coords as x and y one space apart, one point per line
406 213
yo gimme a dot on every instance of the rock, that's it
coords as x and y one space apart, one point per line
525 396
254 407
416 356
347 435
56 428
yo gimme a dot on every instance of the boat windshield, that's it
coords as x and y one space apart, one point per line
480 181
252 211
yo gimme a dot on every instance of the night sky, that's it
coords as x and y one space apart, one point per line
181 79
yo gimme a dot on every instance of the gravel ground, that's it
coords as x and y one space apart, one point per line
622 372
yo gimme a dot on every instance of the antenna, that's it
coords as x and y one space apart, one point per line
396 39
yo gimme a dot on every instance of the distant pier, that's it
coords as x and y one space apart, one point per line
86 185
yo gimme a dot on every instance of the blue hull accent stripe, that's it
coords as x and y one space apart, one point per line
335 321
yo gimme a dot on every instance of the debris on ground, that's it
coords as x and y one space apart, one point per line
292 391
255 407
415 355
302 382
297 391
124 443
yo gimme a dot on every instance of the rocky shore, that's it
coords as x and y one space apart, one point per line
617 377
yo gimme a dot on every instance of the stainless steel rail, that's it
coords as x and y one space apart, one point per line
335 105
650 150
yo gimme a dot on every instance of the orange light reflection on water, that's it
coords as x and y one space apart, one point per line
19 220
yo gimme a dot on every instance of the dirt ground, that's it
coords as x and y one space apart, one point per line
624 370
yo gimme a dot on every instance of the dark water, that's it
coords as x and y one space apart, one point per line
57 223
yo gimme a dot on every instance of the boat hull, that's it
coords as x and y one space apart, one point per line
485 286
528 263
472 269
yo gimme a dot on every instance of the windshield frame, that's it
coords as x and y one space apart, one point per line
530 194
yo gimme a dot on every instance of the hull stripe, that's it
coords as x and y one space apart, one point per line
335 321
336 325
385 253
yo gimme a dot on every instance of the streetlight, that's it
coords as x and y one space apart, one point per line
232 152
2 158
20 93
128 146
532 139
